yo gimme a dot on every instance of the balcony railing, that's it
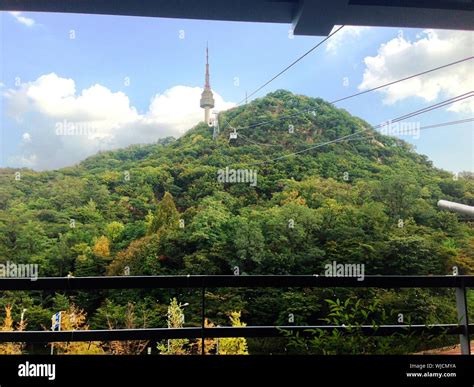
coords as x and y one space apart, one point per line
459 283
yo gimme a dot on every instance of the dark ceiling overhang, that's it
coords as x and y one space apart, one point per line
308 17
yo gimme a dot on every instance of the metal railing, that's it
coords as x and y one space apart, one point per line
203 282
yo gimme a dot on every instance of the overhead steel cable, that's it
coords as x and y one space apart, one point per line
442 124
397 119
245 138
447 123
434 106
286 69
292 64
370 134
354 95
403 79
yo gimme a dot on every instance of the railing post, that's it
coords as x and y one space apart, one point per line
461 306
203 320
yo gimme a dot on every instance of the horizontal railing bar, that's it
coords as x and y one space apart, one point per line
196 333
217 281
369 330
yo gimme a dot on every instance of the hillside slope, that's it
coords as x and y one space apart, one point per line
347 199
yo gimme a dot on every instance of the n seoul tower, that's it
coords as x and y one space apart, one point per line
207 99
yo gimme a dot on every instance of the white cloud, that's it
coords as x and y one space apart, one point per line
49 109
343 36
27 21
400 57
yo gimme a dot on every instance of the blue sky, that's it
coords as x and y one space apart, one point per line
142 75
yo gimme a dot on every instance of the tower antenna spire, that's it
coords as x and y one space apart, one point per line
207 83
207 99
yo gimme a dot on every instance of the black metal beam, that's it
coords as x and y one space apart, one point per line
198 332
218 281
309 17
242 10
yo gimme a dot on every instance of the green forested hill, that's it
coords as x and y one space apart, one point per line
160 209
